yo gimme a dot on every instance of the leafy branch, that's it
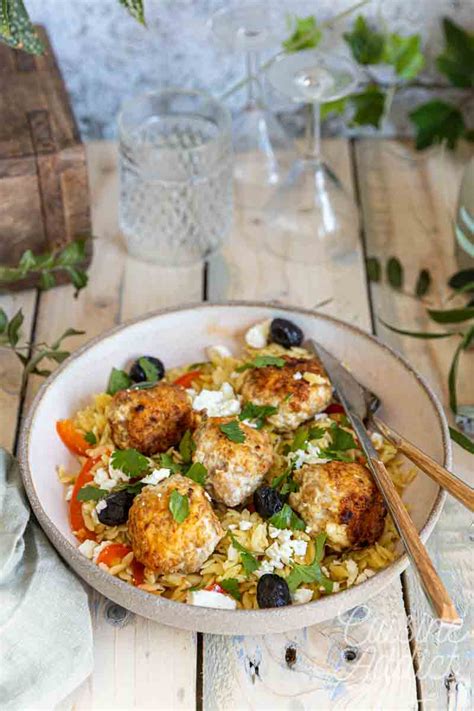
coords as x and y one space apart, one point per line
69 259
29 354
459 321
17 30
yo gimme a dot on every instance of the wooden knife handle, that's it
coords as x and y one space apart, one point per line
446 479
432 585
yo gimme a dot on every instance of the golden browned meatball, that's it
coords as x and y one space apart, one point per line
163 544
299 390
342 500
234 470
150 420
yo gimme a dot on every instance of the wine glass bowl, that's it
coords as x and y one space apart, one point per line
311 217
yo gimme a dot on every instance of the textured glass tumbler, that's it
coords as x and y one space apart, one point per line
175 176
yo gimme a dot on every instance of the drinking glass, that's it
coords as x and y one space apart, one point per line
311 216
263 152
175 176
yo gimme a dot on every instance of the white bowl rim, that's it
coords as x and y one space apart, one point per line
102 579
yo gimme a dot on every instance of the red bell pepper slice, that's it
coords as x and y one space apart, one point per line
186 380
72 437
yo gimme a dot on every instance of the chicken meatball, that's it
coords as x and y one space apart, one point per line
342 500
234 470
159 541
150 420
299 390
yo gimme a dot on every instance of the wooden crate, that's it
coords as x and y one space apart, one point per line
44 197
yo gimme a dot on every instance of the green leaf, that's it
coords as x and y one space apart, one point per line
416 334
437 121
167 462
16 29
90 437
374 269
47 281
369 106
341 439
233 432
3 321
78 278
27 261
423 283
179 506
395 273
130 461
118 380
257 413
91 493
231 586
404 53
197 472
462 440
337 107
57 356
187 446
300 439
311 573
73 253
13 328
306 35
149 368
286 518
457 60
367 45
285 483
262 361
462 281
249 561
451 315
135 8
453 371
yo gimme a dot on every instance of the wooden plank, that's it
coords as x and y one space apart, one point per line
318 672
408 203
132 656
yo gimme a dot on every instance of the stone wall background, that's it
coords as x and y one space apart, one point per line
106 56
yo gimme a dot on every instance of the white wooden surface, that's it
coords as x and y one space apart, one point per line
360 661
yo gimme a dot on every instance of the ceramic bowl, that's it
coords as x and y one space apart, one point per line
181 336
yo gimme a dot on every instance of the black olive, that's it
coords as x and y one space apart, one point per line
137 373
267 501
272 591
117 507
285 333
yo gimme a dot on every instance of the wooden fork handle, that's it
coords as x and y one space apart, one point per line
446 479
433 587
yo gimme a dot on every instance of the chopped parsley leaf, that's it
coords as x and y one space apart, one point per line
90 438
91 493
231 586
262 361
129 461
249 561
257 413
233 431
286 518
179 506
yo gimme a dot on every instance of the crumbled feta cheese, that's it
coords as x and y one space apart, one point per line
273 532
250 423
302 595
102 504
310 455
218 403
156 476
297 375
337 533
109 479
191 392
365 575
352 571
210 598
233 554
219 351
245 525
257 336
299 547
232 526
265 567
377 440
87 548
69 491
335 587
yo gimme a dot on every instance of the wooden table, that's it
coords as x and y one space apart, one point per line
364 661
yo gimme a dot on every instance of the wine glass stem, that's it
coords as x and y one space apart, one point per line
253 84
313 132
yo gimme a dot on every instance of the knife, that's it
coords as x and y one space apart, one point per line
353 399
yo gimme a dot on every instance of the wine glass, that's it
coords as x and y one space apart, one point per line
311 216
262 151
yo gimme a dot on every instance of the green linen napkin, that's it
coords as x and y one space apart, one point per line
45 624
